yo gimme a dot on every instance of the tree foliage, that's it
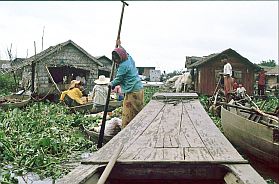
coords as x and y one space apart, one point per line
7 84
269 63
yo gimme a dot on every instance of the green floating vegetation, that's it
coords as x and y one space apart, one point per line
41 139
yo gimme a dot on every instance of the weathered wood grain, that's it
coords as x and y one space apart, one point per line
148 139
215 142
79 175
197 154
184 96
173 154
170 124
131 133
246 173
180 139
189 131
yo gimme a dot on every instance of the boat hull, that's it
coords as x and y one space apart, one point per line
253 138
14 101
125 172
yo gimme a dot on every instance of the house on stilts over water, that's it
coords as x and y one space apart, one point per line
65 62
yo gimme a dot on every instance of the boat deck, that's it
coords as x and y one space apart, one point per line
172 128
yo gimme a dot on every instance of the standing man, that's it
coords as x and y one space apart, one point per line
261 83
228 81
127 77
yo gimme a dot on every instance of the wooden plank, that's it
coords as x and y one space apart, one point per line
130 133
165 96
173 154
170 123
143 153
157 154
197 154
79 175
183 142
160 138
148 139
161 161
169 126
174 141
150 154
187 129
230 178
215 142
246 174
167 141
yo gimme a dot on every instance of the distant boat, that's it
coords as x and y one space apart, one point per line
13 101
94 136
254 133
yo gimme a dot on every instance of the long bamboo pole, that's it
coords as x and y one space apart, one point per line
110 165
101 135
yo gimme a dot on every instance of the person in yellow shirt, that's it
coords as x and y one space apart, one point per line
73 96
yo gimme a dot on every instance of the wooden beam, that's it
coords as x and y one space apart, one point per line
49 74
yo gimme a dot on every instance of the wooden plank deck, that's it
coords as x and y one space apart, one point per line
175 128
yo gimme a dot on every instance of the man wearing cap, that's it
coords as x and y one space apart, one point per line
127 77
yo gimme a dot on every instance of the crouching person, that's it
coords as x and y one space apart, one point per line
73 96
112 127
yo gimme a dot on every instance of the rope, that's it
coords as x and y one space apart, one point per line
40 99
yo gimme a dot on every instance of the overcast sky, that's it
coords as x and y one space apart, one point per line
155 33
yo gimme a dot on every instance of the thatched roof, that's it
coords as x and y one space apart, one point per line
198 61
56 48
103 57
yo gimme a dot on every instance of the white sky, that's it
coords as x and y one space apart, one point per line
155 33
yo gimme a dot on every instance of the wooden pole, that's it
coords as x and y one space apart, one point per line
49 74
33 71
101 135
110 165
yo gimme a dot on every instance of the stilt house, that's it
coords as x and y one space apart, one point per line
206 71
65 62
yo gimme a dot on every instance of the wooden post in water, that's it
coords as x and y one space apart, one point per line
33 71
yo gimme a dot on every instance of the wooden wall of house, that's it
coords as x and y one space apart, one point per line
67 56
209 76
